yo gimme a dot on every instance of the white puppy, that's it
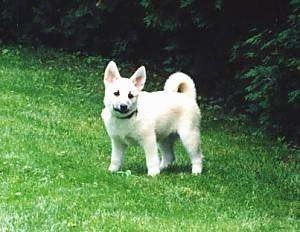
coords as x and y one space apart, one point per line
153 120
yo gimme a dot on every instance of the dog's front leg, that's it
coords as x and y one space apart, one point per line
151 151
117 153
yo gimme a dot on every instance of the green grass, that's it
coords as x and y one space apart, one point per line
54 156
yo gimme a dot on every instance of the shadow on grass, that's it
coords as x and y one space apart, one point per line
141 169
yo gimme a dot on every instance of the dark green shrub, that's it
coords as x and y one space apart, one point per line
187 38
268 66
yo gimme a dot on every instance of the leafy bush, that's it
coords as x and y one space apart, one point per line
184 28
109 28
268 71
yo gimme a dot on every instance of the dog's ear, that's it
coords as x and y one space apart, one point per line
139 78
111 73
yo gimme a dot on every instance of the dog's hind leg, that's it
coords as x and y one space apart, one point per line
166 149
190 138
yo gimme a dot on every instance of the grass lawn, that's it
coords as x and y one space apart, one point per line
54 155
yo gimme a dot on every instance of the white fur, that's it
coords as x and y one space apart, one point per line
182 80
154 120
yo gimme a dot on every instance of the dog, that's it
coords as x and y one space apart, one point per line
152 120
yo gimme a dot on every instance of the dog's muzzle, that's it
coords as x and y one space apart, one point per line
123 109
123 112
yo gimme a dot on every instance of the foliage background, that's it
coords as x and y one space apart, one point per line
241 54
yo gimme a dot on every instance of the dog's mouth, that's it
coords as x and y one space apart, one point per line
122 111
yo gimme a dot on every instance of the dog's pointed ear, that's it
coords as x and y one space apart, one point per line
111 73
139 78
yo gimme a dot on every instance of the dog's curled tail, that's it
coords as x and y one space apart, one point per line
181 83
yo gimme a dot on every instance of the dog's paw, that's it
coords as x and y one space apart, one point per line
113 168
164 164
153 172
196 169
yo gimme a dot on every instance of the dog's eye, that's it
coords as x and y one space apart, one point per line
130 96
117 93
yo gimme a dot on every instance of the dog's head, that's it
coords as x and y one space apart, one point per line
121 94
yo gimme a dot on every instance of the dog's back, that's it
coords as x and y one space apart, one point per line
169 110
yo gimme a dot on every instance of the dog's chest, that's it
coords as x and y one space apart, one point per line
124 130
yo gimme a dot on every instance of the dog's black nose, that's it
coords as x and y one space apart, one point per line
123 108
